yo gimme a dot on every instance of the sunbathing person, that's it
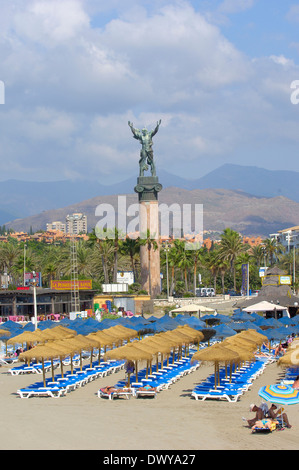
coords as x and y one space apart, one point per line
296 383
264 424
279 351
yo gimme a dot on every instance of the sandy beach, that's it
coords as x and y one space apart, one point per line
172 421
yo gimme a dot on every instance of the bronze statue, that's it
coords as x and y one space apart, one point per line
146 152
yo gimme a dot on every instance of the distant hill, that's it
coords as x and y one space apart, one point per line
222 208
253 180
20 199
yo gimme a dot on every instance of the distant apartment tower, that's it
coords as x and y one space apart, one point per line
76 223
57 226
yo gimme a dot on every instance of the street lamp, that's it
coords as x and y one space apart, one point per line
24 279
34 299
166 248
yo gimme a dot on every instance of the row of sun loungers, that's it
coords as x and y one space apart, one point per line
70 381
290 375
37 368
228 387
149 385
31 369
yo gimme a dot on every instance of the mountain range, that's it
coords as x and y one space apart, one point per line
253 200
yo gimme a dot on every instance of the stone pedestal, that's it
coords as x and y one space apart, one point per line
147 188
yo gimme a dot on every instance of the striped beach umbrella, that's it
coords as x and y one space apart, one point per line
280 394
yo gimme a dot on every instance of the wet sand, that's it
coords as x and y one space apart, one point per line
172 421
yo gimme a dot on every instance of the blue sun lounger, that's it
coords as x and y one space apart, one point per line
49 391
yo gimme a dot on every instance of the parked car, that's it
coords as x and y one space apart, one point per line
205 292
254 292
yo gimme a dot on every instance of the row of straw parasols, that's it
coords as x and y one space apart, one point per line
159 346
233 351
60 342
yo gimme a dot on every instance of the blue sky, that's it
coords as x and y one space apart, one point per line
262 28
217 72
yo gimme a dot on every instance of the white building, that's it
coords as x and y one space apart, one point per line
289 237
76 223
57 226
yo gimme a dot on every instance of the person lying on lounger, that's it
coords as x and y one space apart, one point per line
264 424
295 384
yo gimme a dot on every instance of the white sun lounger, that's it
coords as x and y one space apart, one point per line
54 392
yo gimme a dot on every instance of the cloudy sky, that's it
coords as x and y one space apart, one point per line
217 72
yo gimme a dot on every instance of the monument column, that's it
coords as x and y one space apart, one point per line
148 188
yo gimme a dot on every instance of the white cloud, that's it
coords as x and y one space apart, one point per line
50 22
72 86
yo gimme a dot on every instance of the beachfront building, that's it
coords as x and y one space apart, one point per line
18 305
76 223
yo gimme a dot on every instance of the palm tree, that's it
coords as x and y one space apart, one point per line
197 257
18 266
272 249
131 247
104 248
230 246
9 254
212 262
184 258
257 253
172 263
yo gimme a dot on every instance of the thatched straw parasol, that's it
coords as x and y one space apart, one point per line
40 353
196 335
124 332
253 335
104 340
178 339
65 346
51 334
82 343
216 354
161 345
129 353
243 342
28 337
5 333
66 331
62 349
150 347
290 358
244 353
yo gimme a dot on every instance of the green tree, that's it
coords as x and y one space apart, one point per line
230 247
272 249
